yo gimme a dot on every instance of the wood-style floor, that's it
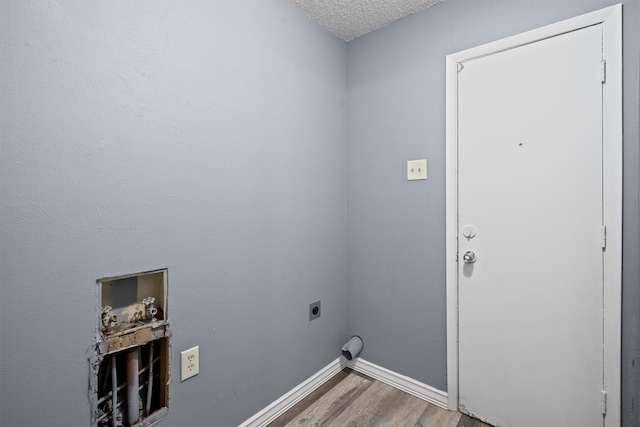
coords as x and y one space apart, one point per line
351 399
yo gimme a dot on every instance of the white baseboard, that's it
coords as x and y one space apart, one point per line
288 400
401 382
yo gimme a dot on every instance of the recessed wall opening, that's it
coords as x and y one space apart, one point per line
130 367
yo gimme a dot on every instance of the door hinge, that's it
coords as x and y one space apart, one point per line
604 402
603 71
603 236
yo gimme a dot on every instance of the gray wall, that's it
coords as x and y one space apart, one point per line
396 229
209 138
206 137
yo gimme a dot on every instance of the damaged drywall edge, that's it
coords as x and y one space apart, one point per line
139 326
99 351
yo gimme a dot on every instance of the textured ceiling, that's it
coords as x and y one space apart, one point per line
349 19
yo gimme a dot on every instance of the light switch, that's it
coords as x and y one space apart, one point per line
416 169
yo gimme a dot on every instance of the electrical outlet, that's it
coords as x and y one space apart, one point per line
314 310
190 363
416 170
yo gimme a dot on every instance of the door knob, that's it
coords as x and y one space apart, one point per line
469 257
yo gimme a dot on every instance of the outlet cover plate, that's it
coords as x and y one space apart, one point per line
416 170
190 363
314 310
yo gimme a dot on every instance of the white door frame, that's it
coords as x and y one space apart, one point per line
611 19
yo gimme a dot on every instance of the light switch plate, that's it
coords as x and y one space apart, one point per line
416 170
190 363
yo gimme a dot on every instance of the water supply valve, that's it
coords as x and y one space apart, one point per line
150 310
109 319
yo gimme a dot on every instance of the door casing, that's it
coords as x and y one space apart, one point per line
611 19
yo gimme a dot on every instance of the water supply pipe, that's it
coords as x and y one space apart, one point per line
133 384
147 408
114 392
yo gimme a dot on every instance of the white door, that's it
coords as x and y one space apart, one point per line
530 200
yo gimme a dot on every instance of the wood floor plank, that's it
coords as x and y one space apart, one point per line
333 403
299 407
381 405
352 399
406 413
467 421
434 416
